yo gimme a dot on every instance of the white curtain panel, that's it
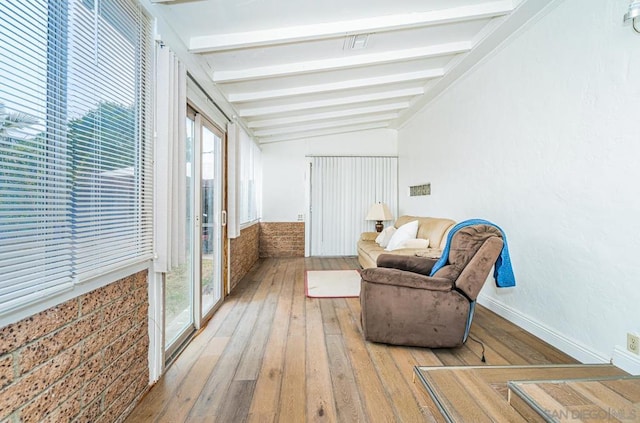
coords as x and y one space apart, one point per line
243 179
170 161
342 191
233 178
250 179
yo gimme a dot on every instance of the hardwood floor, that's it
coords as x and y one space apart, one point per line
272 355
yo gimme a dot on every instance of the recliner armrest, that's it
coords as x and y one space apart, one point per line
401 278
421 265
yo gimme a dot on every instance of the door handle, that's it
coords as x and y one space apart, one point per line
224 218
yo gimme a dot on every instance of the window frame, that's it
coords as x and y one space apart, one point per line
56 122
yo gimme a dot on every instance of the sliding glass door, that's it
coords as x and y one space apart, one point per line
212 219
193 290
179 321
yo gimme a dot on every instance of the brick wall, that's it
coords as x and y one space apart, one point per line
244 253
84 360
282 239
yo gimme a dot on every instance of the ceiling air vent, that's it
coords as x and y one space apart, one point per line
356 42
417 190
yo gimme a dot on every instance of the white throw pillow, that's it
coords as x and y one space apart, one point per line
415 243
385 236
404 232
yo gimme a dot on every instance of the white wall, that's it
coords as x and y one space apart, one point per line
285 165
543 138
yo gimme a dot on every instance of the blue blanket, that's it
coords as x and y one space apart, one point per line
503 272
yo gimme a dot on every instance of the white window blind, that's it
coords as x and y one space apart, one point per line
342 191
75 149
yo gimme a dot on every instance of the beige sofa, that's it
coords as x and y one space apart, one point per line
432 228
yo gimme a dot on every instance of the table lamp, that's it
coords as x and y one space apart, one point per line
379 212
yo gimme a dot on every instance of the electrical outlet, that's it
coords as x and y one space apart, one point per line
633 343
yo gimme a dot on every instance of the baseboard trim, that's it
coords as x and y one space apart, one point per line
626 361
568 346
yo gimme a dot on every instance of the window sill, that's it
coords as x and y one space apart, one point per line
249 224
79 289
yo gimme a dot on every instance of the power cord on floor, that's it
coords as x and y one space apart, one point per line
482 345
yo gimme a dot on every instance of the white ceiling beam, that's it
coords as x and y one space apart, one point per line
322 132
342 62
265 123
329 124
240 40
336 86
292 107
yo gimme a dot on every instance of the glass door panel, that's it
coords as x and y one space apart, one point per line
211 228
179 293
193 289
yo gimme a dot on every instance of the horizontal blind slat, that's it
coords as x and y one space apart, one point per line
75 159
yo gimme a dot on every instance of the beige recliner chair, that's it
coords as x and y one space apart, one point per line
403 305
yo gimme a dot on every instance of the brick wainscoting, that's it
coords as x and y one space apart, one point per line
282 239
244 253
83 360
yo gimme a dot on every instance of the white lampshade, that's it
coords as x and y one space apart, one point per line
379 211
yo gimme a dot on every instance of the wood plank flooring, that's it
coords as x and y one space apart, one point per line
270 354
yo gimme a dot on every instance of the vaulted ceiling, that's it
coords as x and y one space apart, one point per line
293 69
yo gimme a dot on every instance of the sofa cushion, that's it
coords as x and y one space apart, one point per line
404 232
432 228
385 236
368 252
404 219
415 243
